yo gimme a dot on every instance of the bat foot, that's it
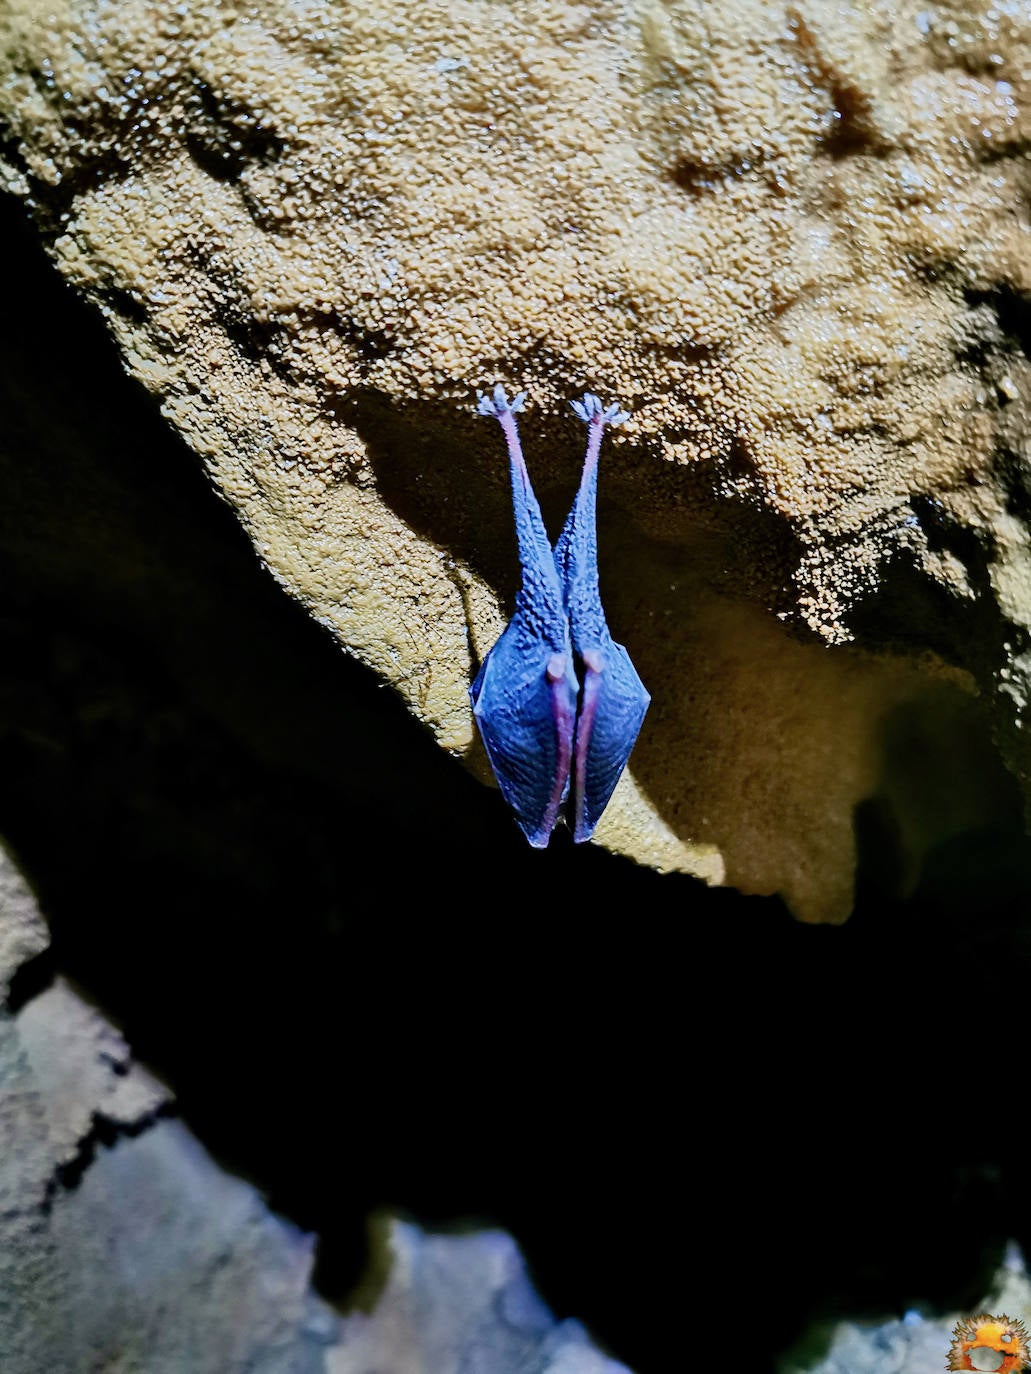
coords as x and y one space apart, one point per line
590 409
498 404
556 669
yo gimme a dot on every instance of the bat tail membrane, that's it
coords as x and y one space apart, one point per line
524 701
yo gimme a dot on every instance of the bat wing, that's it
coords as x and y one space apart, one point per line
612 707
524 701
614 700
524 696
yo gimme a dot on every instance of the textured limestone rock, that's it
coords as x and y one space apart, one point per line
23 933
915 1344
65 1078
792 239
123 1246
461 1303
910 1344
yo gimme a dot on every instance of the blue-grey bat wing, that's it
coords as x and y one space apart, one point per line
613 700
524 702
524 696
612 708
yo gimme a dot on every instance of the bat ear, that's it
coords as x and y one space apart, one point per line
524 701
612 708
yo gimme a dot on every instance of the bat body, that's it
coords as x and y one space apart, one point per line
549 737
524 696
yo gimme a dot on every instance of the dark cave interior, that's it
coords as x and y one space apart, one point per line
366 991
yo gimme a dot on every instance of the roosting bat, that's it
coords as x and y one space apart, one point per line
548 738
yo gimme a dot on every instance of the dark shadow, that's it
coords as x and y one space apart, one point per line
965 631
415 456
364 988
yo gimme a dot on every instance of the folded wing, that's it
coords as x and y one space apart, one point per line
524 696
614 700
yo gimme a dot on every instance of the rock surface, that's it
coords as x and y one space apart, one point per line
124 1247
792 239
916 1344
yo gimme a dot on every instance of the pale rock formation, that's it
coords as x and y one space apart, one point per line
123 1246
914 1343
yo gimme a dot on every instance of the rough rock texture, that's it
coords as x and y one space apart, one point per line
23 932
124 1247
461 1303
908 1346
792 239
916 1344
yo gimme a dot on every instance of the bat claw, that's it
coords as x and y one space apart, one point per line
590 409
498 404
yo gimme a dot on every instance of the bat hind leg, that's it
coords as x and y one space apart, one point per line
612 706
594 667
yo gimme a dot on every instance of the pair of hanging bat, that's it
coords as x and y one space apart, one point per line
553 740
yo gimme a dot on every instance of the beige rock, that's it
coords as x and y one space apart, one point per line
791 239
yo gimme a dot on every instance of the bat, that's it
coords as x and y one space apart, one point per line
553 742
